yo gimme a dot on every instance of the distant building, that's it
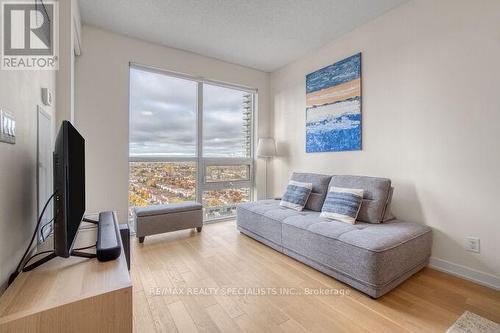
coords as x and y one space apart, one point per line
247 124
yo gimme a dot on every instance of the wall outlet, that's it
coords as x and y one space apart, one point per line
472 244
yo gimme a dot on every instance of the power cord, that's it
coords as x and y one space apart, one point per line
13 276
43 228
52 231
85 248
36 255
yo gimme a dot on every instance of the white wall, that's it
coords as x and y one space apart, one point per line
102 96
69 36
431 121
20 93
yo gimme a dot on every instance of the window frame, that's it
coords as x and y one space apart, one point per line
203 162
222 162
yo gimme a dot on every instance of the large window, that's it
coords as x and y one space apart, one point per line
189 140
163 113
227 120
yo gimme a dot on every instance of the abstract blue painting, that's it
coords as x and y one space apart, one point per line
333 107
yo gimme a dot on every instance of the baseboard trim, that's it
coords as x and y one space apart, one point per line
467 273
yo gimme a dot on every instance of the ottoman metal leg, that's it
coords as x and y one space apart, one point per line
198 229
141 239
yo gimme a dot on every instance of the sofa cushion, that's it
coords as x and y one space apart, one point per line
371 254
342 204
296 195
304 219
319 188
264 218
269 208
376 192
380 238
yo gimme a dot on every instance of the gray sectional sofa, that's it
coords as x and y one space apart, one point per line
374 255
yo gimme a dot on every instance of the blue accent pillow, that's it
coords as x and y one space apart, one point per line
296 195
342 204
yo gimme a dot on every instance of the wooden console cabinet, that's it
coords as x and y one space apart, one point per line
70 295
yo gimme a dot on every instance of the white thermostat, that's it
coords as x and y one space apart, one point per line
46 96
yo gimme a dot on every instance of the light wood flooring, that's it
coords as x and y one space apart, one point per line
221 257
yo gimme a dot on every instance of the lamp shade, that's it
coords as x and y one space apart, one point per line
266 147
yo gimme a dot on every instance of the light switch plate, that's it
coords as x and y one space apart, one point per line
46 96
7 127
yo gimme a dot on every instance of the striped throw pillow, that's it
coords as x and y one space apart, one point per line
342 204
296 195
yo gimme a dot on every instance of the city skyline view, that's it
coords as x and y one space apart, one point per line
159 183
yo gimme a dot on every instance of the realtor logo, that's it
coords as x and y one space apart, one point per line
29 35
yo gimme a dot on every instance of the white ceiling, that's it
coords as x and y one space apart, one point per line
262 34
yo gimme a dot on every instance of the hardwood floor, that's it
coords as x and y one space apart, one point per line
220 258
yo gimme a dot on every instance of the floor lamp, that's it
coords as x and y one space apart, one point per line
266 149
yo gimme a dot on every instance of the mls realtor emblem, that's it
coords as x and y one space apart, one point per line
29 35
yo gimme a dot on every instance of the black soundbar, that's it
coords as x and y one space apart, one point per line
108 237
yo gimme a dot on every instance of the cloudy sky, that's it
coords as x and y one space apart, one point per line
163 117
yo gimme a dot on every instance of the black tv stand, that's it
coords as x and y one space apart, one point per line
108 244
39 262
86 219
83 254
52 255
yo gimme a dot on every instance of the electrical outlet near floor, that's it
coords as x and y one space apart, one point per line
472 244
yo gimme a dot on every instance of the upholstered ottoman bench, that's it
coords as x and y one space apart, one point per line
152 220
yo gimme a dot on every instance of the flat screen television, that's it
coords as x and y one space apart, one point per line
69 187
